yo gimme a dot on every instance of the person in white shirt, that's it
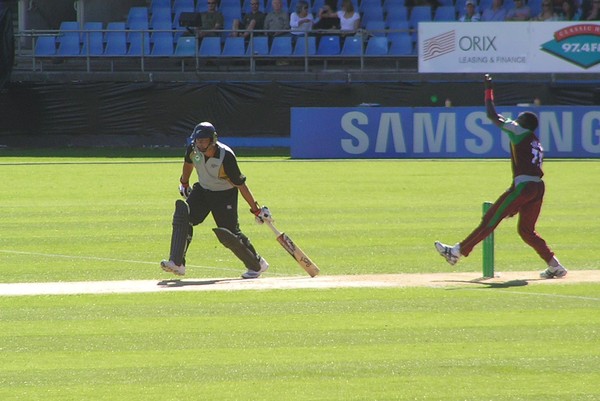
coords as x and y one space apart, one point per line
349 18
301 20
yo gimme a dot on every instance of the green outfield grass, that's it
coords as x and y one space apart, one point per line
525 343
72 218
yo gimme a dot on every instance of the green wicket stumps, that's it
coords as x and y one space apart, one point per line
488 249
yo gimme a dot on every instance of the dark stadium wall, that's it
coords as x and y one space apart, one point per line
162 114
109 10
48 14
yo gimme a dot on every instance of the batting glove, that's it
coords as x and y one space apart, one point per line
263 214
185 190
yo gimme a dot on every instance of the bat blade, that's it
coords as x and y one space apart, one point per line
298 255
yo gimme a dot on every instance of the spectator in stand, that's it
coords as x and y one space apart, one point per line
593 14
569 11
547 13
254 20
496 12
301 21
520 12
349 18
471 14
211 20
324 21
277 20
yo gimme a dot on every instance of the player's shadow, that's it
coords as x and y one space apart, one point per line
491 285
180 283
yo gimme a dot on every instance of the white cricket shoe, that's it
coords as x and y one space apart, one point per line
170 267
253 274
450 253
554 272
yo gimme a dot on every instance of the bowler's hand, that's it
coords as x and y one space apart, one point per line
487 80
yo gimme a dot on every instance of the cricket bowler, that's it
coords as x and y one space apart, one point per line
525 195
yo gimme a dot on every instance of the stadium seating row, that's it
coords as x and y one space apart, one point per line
165 18
393 44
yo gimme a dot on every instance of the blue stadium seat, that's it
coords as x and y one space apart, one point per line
186 47
178 4
159 4
116 40
535 6
163 44
387 4
92 35
69 46
234 47
259 46
136 28
399 13
45 46
177 14
376 28
138 34
282 46
329 45
483 4
419 14
445 14
137 42
160 16
399 26
401 45
364 4
210 46
459 6
371 14
113 27
161 26
90 26
230 3
305 46
231 11
316 6
352 46
136 14
66 29
201 6
377 46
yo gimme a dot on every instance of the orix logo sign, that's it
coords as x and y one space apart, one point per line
446 43
578 44
439 45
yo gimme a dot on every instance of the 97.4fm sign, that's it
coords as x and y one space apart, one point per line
578 44
528 47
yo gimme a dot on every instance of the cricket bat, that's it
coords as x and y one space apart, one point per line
297 253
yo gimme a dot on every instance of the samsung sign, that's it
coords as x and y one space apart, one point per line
434 132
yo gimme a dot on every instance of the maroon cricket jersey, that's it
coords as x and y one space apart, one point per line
526 150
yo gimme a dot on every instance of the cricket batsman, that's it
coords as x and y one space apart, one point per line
219 182
525 195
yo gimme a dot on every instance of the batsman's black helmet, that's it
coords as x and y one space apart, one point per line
204 130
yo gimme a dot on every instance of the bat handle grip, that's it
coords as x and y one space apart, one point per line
272 227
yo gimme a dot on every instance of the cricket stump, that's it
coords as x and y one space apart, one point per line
488 249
